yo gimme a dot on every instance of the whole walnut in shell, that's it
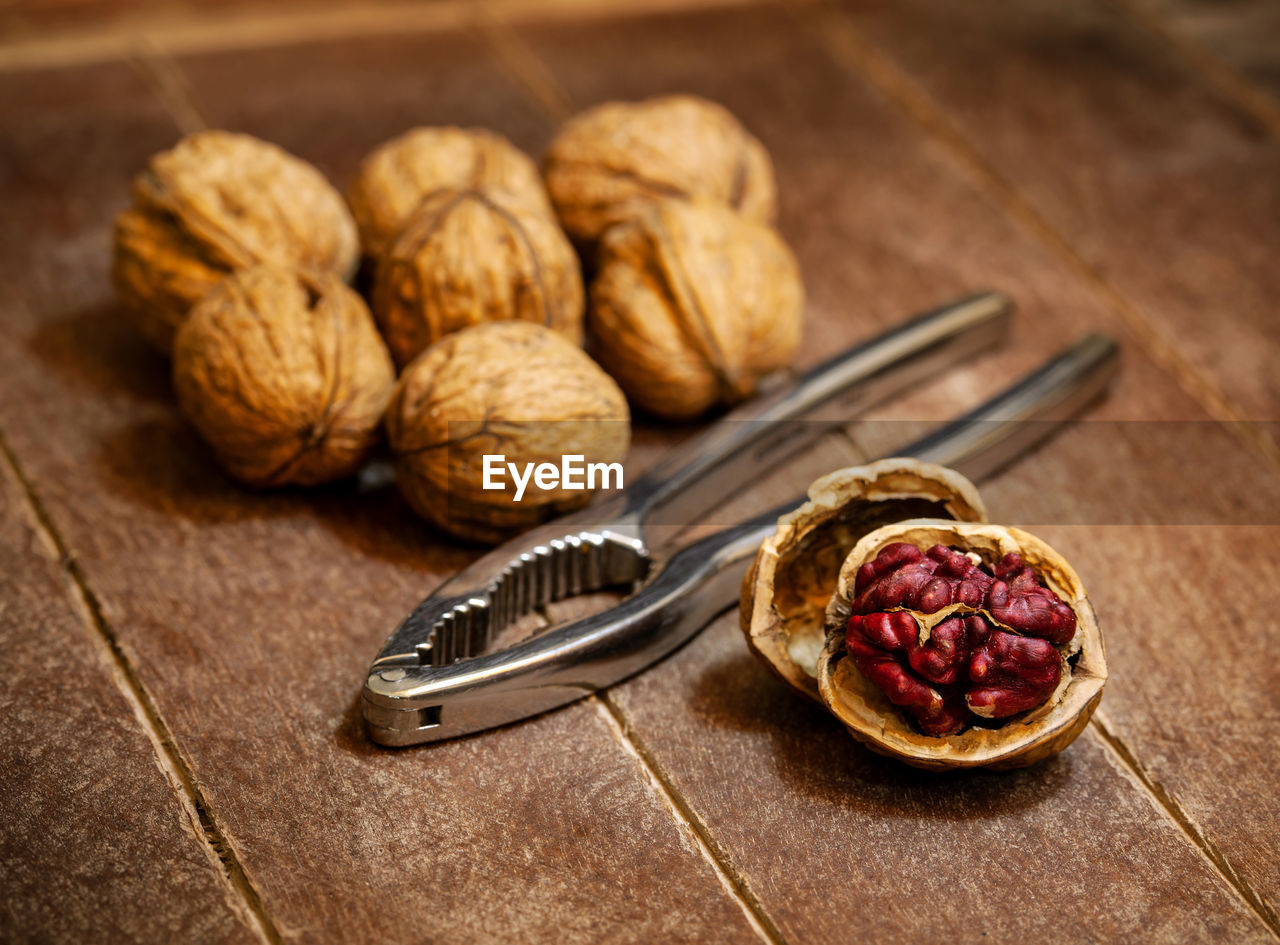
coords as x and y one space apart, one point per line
400 174
957 644
215 203
610 162
283 373
471 256
787 589
693 305
509 389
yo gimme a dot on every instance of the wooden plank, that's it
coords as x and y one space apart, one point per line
1193 607
253 544
94 843
251 617
884 220
840 844
27 17
61 19
1159 149
1164 187
1242 34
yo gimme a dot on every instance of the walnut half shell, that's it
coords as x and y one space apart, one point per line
1013 742
786 591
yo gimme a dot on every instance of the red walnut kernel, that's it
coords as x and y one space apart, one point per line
941 658
874 638
904 576
1009 673
1018 600
1017 673
955 644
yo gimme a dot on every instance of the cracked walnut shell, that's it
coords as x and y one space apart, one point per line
214 203
283 373
471 256
610 162
400 174
510 389
787 589
692 306
1020 676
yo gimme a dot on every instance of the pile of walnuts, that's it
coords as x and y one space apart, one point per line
235 259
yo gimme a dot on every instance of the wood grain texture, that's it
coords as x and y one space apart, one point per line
333 103
882 221
94 843
251 617
23 19
1205 727
1242 34
1166 188
839 843
1114 91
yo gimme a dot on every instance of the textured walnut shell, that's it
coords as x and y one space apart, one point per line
787 589
468 257
215 203
610 162
283 373
399 175
1020 740
510 388
692 306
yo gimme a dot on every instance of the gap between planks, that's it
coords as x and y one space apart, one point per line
1165 802
243 897
169 84
734 883
679 808
850 50
1226 80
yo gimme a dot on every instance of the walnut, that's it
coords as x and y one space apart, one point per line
610 162
957 644
786 591
218 202
471 256
283 373
693 304
395 178
936 638
513 389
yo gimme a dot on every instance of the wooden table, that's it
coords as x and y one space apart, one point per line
181 757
